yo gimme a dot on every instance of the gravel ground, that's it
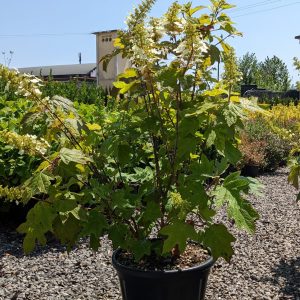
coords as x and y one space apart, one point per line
265 266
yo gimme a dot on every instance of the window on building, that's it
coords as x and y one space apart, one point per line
106 39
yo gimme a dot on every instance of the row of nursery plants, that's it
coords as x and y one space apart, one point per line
78 91
152 169
74 89
16 115
280 100
269 137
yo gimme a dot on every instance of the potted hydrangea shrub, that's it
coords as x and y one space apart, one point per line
253 156
294 168
153 172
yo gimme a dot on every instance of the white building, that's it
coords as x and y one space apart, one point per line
117 65
91 71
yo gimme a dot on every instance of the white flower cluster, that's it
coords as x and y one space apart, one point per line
144 51
192 50
28 144
11 193
41 145
25 84
29 86
166 40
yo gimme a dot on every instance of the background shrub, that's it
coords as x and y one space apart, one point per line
273 101
16 166
80 91
272 142
253 152
20 116
286 122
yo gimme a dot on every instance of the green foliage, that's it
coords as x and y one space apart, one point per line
274 148
239 209
268 138
297 63
157 160
271 74
5 91
39 222
178 233
248 66
276 99
285 121
294 165
16 166
297 67
82 92
231 76
217 237
38 184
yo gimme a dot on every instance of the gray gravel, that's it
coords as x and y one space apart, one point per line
265 266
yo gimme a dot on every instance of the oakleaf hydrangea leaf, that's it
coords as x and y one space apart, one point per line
39 183
178 233
218 240
73 155
38 222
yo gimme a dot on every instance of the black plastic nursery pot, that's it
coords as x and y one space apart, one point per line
188 284
249 170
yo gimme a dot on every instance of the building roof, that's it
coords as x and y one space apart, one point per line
105 31
77 69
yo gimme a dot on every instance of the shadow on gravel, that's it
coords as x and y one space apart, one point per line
290 272
11 243
287 275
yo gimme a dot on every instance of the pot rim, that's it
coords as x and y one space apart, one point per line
118 266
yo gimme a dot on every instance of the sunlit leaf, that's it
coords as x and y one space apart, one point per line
93 127
73 155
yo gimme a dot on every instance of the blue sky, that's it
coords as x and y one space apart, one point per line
54 32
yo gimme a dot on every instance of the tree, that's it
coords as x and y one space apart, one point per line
297 67
273 75
248 65
232 75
